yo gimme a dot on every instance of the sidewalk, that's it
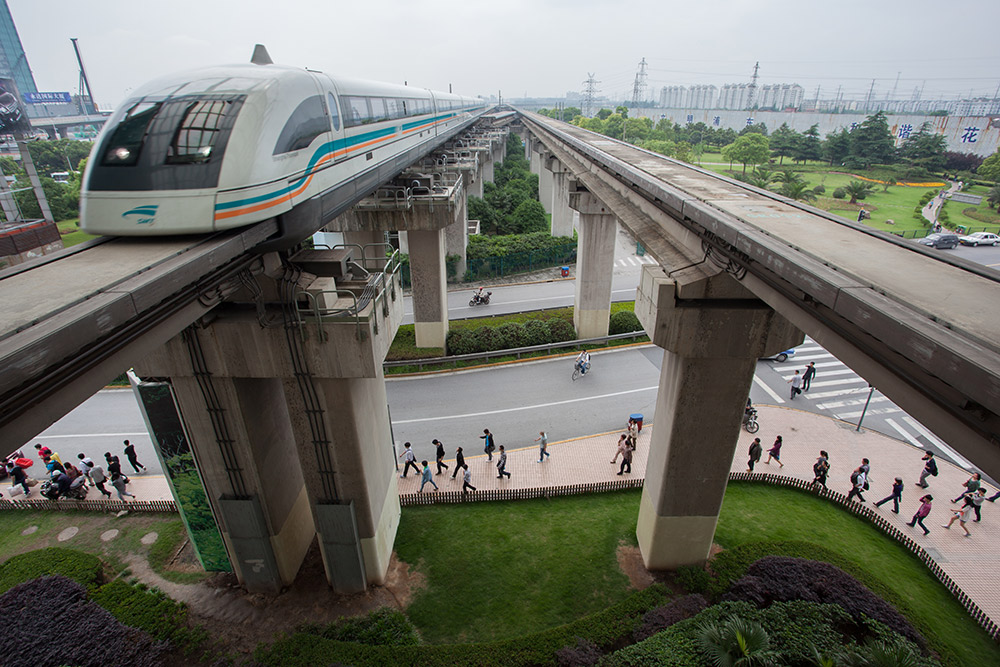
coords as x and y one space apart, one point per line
973 563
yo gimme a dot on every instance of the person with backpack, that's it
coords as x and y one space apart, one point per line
922 512
488 445
895 496
821 468
930 469
858 481
971 486
410 459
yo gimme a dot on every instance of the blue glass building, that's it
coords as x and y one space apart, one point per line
13 61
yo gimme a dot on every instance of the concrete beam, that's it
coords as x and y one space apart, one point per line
429 280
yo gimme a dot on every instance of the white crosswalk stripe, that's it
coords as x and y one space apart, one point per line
837 392
955 456
836 383
833 405
851 416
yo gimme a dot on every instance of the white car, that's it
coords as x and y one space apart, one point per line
979 238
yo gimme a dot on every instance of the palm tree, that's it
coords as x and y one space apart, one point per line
761 177
737 643
993 198
857 190
879 654
799 191
787 176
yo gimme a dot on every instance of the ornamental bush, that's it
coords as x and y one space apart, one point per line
560 330
382 627
149 610
624 321
661 618
80 567
839 193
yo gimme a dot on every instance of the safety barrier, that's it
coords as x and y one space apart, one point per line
89 505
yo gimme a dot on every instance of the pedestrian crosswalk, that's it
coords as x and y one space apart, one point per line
634 260
841 393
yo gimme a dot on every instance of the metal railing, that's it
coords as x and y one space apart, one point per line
514 351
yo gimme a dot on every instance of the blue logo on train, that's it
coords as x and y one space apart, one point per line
144 215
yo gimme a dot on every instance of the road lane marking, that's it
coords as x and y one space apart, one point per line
770 392
524 407
91 435
955 456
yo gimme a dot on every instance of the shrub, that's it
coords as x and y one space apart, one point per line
819 189
382 627
82 568
49 621
693 578
839 193
583 654
661 618
782 579
461 341
149 610
510 335
560 330
536 332
624 321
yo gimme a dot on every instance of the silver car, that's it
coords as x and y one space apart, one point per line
979 238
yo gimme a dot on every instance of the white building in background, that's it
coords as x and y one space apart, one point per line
734 96
702 97
673 97
780 96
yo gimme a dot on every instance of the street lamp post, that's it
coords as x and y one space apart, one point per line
871 389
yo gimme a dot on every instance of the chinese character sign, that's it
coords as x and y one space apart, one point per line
716 121
970 135
47 98
853 125
690 118
749 121
905 130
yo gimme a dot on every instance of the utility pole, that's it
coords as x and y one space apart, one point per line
84 82
639 87
752 88
589 94
868 100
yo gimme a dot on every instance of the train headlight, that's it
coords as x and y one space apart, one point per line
120 154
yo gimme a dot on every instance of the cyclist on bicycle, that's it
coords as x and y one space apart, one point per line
583 362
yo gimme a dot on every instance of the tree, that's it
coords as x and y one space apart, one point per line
622 111
759 128
787 176
659 146
637 129
736 643
750 149
808 146
60 155
871 141
683 152
529 217
990 168
614 125
857 190
783 142
837 146
993 197
797 190
725 136
762 177
925 149
604 113
569 113
954 161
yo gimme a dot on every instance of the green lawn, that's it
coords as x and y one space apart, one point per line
71 234
498 570
957 212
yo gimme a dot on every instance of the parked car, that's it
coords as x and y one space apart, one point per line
940 240
979 238
781 356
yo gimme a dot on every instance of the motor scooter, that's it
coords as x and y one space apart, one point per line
480 298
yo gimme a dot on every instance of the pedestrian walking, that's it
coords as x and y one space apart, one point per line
808 375
119 484
502 464
930 469
895 496
467 481
425 477
821 468
543 446
975 500
796 382
488 445
130 455
922 512
622 447
114 466
626 466
633 433
755 451
459 462
98 477
858 481
971 486
775 452
994 497
962 516
410 459
18 476
86 463
439 456
43 451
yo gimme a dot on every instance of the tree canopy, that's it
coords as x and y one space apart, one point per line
749 149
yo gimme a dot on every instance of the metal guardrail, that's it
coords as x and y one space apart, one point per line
515 351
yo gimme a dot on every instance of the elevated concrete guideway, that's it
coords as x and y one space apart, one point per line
917 326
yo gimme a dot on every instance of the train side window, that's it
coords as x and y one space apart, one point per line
307 122
379 111
394 108
356 111
334 114
127 139
197 132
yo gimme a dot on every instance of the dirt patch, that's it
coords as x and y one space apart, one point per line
239 620
630 562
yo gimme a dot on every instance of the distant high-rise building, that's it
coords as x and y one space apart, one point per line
13 62
702 97
673 97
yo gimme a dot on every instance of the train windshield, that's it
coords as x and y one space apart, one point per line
125 143
197 133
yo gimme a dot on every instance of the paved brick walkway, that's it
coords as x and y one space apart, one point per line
973 563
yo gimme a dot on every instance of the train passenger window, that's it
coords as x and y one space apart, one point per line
128 137
307 122
334 114
379 111
395 108
197 132
356 111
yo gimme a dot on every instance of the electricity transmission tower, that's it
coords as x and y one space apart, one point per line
639 87
752 89
589 94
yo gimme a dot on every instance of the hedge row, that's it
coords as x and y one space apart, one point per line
607 629
483 247
510 335
82 568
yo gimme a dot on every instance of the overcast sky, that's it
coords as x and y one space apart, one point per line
536 47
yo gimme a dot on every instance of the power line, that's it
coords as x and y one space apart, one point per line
589 93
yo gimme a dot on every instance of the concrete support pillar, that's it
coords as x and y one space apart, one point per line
562 214
713 331
476 187
595 259
457 239
526 138
545 182
534 157
36 183
245 451
429 280
487 165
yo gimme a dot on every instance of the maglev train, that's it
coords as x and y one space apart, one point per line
229 146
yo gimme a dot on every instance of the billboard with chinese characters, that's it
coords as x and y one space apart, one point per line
13 119
47 98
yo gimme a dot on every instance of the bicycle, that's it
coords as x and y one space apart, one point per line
750 420
576 370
